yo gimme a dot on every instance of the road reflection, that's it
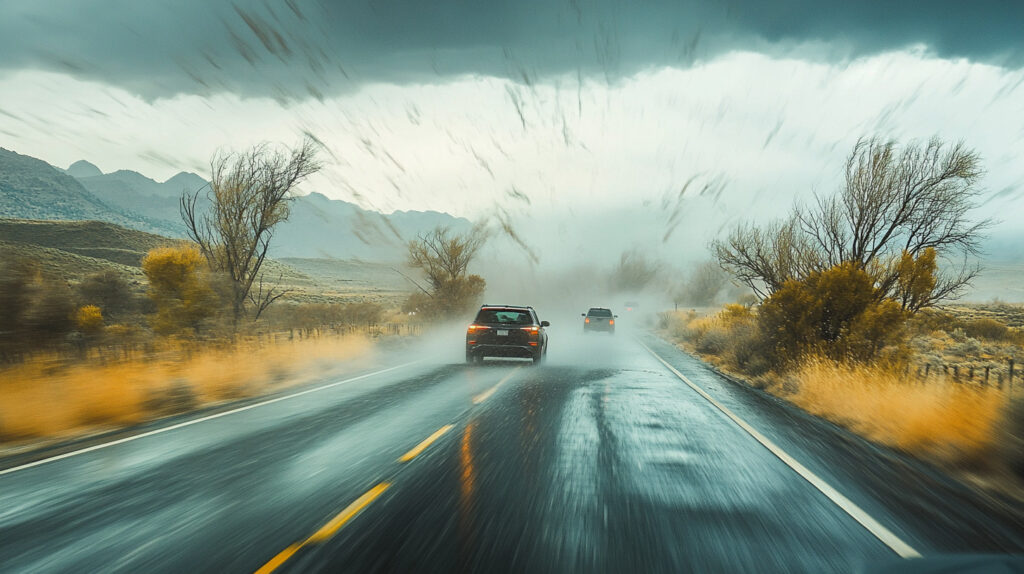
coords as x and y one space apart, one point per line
467 498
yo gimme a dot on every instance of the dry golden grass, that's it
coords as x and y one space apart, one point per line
45 397
936 418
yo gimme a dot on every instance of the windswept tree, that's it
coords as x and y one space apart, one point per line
898 210
444 258
249 195
703 286
633 273
764 258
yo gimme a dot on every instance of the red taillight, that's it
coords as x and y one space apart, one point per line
474 328
611 321
587 320
531 329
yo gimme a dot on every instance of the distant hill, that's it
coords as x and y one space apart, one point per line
134 192
119 184
318 226
329 228
82 168
33 189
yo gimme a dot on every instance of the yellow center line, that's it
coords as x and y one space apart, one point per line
328 530
344 516
280 559
487 394
423 445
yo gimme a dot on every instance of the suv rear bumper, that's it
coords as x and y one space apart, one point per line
522 351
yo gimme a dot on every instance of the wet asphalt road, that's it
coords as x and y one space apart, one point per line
601 460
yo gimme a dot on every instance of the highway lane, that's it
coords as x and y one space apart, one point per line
600 460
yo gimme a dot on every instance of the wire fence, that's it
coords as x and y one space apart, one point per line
368 329
141 346
1000 374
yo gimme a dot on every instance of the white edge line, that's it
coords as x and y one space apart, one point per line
199 420
886 536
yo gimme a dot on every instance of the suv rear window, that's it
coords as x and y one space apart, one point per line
599 313
508 316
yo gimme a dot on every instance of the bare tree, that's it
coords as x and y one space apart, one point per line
897 202
634 272
763 258
704 284
894 204
249 195
444 256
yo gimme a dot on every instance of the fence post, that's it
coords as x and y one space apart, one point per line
986 376
1010 379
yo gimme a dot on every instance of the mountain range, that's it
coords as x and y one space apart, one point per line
318 227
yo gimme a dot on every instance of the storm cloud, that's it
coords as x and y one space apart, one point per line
299 49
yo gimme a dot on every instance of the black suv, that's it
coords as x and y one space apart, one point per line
599 319
506 331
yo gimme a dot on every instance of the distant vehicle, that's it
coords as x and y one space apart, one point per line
599 319
506 331
631 305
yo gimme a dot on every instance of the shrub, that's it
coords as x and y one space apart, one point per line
879 326
713 341
181 286
928 321
363 313
677 324
89 319
35 310
986 328
48 316
109 291
837 312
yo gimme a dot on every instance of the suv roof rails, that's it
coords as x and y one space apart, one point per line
511 306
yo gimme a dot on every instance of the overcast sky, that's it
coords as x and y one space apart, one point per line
686 111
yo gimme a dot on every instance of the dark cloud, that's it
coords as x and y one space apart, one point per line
313 48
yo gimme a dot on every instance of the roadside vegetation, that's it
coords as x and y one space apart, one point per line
443 257
203 324
851 318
